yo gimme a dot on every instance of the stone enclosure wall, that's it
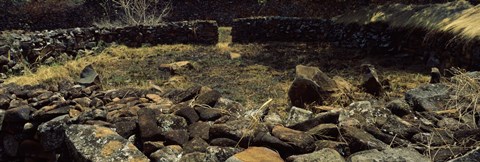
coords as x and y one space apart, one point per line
46 46
438 49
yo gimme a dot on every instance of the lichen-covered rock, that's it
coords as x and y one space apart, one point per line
94 143
329 155
431 97
395 154
52 133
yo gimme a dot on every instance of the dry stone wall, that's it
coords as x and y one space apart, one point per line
438 49
45 46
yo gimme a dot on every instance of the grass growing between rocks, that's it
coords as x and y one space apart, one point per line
262 71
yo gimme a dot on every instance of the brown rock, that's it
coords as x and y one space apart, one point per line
148 125
300 140
256 154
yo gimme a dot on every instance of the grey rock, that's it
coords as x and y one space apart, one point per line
52 133
324 131
209 98
301 141
473 155
94 143
364 113
237 130
435 76
298 115
371 83
176 137
125 128
326 117
395 154
303 92
168 122
340 147
20 114
431 97
196 144
329 155
148 125
2 117
216 153
200 129
88 76
193 157
209 114
188 113
399 107
152 146
360 140
171 153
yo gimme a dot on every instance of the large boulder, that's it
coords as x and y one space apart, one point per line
95 143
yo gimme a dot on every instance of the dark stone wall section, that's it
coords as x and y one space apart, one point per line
33 48
439 49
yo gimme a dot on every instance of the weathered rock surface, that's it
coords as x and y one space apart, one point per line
395 154
429 97
94 143
318 156
256 154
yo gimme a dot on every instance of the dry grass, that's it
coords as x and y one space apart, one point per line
264 71
459 17
466 97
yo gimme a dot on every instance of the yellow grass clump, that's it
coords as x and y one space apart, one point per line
458 17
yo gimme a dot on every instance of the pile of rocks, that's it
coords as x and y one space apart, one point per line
43 47
65 122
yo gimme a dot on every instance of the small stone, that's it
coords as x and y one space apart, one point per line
170 153
395 154
209 98
359 140
300 140
20 114
2 117
329 155
148 125
52 133
177 67
340 147
167 122
196 144
223 142
188 113
371 83
176 137
209 114
125 128
234 55
199 129
215 153
256 154
399 107
193 157
152 146
324 131
298 115
435 75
